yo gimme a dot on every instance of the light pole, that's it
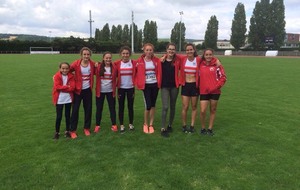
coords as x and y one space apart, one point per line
181 13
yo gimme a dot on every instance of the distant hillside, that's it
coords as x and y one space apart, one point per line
24 37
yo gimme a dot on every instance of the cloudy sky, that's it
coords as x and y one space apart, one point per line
70 17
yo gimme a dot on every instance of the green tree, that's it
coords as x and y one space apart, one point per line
278 23
176 33
105 33
238 28
114 33
150 32
267 21
211 33
125 34
97 34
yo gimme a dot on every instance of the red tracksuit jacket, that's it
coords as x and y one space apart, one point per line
118 73
75 66
212 77
59 87
98 80
140 76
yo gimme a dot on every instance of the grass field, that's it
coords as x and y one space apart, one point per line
256 143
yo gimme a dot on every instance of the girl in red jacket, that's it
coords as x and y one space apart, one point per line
62 95
212 78
84 79
148 79
125 68
106 87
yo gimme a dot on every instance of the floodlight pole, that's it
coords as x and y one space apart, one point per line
181 13
132 32
90 21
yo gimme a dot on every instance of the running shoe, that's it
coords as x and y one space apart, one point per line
67 134
56 135
114 128
151 129
87 132
131 127
184 129
122 129
164 133
73 134
97 129
210 132
145 128
192 129
169 129
203 132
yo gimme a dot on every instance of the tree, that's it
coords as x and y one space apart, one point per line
278 23
150 32
238 28
97 34
175 34
211 33
125 34
113 34
259 24
105 33
267 25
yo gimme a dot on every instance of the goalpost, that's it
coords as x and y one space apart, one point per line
42 50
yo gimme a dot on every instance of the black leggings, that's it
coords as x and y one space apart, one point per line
111 105
59 113
130 99
86 97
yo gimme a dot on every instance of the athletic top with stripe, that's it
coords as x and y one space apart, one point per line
190 67
126 74
85 73
150 72
106 81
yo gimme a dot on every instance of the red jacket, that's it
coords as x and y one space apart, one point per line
182 73
75 66
98 80
59 87
118 73
140 77
212 77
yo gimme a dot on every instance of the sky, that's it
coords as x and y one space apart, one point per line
64 18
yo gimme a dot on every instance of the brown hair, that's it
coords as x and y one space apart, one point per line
64 63
85 48
125 48
194 47
102 66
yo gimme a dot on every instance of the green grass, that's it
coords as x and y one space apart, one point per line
256 143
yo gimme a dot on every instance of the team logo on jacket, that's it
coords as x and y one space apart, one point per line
212 69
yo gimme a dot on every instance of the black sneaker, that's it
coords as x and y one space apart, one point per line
184 129
210 132
169 129
203 132
56 135
164 133
67 134
192 129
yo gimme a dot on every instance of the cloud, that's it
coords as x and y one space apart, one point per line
70 17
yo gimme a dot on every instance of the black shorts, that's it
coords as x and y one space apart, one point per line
189 89
209 96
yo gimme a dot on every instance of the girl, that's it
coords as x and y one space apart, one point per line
169 87
148 79
189 79
62 95
105 87
125 68
212 78
84 78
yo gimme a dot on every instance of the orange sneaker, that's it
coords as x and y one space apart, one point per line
73 134
87 132
114 128
97 129
151 129
145 128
